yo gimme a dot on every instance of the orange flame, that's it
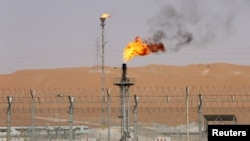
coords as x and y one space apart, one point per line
141 48
105 15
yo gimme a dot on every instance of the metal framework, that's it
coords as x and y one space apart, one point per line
124 83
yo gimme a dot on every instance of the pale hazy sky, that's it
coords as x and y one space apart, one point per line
37 34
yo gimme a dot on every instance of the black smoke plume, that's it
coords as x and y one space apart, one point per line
191 23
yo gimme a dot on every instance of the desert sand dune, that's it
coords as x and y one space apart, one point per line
209 79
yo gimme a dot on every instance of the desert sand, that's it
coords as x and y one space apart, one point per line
161 88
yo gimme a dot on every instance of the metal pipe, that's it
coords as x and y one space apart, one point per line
124 70
128 112
124 84
124 113
9 98
124 109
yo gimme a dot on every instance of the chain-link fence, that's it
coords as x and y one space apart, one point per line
162 112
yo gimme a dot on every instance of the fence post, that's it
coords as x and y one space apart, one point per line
9 98
136 99
187 112
71 101
200 117
33 113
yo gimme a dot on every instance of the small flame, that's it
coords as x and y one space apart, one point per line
141 48
105 15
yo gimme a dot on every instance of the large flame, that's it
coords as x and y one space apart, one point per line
105 15
141 48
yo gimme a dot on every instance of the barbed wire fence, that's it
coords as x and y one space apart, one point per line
161 110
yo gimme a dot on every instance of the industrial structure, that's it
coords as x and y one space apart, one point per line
161 112
124 83
103 19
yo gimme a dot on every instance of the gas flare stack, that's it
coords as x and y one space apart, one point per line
124 83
